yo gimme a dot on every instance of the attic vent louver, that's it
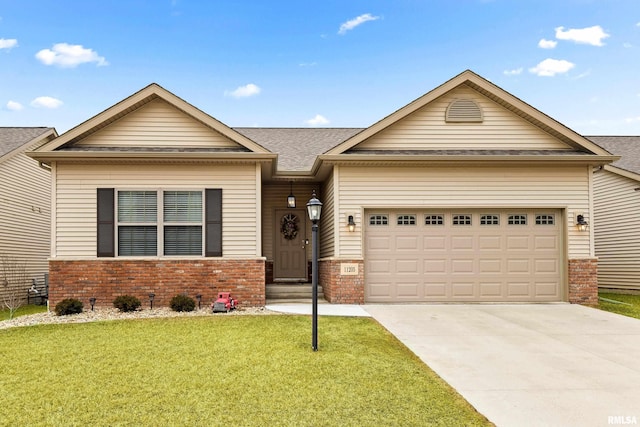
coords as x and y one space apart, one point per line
463 110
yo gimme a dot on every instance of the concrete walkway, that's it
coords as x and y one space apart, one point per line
323 309
528 364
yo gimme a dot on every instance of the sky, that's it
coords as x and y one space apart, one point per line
325 63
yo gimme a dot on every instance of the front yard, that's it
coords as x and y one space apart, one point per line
238 370
627 305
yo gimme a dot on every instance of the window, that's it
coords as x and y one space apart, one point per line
545 220
462 220
517 220
434 220
489 220
159 223
406 220
378 220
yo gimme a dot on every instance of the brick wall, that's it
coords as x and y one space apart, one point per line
106 279
339 289
583 281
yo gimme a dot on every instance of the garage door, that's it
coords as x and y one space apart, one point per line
470 255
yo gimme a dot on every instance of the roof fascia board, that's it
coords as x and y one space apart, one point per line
154 91
622 172
46 137
50 156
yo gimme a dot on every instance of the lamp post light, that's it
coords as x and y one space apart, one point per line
151 297
92 301
199 298
314 207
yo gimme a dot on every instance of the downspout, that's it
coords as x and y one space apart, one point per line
44 166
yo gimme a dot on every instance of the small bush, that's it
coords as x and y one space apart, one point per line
126 303
182 303
68 306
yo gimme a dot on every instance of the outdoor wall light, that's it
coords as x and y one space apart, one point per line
581 223
92 301
351 224
199 298
151 297
291 200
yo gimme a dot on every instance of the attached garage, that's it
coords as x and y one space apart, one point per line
510 255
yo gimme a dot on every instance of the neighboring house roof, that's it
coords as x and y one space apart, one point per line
298 148
12 138
628 147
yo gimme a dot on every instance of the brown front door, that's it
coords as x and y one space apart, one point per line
290 254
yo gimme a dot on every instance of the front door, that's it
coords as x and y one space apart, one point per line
290 254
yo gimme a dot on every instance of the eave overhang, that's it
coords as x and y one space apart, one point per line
156 156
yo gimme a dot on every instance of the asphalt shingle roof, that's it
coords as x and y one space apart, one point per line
15 137
626 146
297 148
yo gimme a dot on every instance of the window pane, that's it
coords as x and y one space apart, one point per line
137 241
137 206
406 220
183 240
378 220
183 206
434 220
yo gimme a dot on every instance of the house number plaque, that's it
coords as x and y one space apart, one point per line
348 269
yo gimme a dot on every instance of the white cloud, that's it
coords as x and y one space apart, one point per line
69 56
590 35
8 43
632 119
351 24
513 72
551 67
547 44
46 102
627 45
318 120
14 106
244 91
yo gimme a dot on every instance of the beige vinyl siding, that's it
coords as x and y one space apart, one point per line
617 230
463 186
328 220
76 200
25 212
157 124
426 129
274 196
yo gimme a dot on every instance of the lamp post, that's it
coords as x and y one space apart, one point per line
92 301
314 206
151 297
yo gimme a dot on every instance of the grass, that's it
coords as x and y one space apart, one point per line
239 370
22 311
630 306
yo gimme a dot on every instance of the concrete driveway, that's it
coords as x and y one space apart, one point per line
526 364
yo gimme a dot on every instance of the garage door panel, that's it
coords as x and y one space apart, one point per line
490 259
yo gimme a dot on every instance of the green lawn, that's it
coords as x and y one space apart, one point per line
630 304
236 370
24 310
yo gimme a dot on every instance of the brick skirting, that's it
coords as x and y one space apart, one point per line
583 281
341 289
107 279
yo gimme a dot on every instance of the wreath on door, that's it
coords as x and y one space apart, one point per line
289 226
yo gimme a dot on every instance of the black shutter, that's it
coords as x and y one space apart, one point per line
106 228
213 225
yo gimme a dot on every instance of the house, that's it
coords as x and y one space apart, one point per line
25 200
465 194
616 191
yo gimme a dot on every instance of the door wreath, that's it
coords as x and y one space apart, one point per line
289 226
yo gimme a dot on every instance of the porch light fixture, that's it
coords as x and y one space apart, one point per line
151 297
92 301
351 224
314 207
199 298
581 223
291 199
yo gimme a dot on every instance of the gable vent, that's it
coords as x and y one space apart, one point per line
463 110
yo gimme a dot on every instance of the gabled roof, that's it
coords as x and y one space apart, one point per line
628 147
298 148
13 138
137 100
489 90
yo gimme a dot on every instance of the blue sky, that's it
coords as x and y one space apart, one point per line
322 63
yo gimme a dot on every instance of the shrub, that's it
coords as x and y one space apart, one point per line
182 303
68 306
126 303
